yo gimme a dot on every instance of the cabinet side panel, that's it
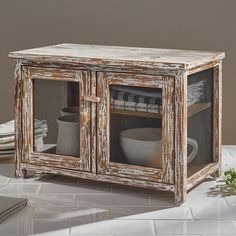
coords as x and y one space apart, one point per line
93 122
27 115
200 123
18 117
217 116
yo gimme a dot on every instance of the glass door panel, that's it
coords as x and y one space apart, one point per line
56 117
136 126
200 120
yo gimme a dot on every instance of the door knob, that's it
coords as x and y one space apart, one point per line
92 99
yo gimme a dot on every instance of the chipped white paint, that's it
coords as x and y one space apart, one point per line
119 56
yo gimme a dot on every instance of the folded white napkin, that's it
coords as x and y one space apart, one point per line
5 146
9 151
7 139
7 128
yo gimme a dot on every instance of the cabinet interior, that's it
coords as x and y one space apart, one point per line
130 108
53 100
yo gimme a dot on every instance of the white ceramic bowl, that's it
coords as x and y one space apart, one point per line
142 146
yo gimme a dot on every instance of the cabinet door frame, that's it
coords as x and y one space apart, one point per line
104 166
29 74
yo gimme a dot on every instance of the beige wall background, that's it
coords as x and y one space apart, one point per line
183 24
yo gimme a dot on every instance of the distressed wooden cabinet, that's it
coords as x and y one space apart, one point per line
140 110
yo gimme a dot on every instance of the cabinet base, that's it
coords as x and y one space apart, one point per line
180 197
99 177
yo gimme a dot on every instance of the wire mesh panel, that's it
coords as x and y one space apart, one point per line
56 117
200 120
136 126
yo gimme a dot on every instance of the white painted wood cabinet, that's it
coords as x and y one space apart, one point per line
135 116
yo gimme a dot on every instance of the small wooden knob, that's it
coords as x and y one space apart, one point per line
92 99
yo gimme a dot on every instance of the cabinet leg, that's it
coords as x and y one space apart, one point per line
24 173
17 172
21 173
216 174
180 196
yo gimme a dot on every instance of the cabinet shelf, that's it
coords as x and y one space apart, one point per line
192 110
136 113
48 148
195 108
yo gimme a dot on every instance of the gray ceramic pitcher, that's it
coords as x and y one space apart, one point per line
68 136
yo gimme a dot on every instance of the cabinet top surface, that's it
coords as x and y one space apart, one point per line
98 55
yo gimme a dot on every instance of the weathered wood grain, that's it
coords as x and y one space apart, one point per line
85 109
18 118
202 67
168 130
199 176
54 73
217 116
180 150
52 159
119 56
103 123
93 105
104 68
27 111
139 81
104 178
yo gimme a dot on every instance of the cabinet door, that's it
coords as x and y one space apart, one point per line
135 126
56 118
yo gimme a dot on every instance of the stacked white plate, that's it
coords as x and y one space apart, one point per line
7 140
7 137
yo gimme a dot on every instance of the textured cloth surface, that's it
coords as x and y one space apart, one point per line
138 99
